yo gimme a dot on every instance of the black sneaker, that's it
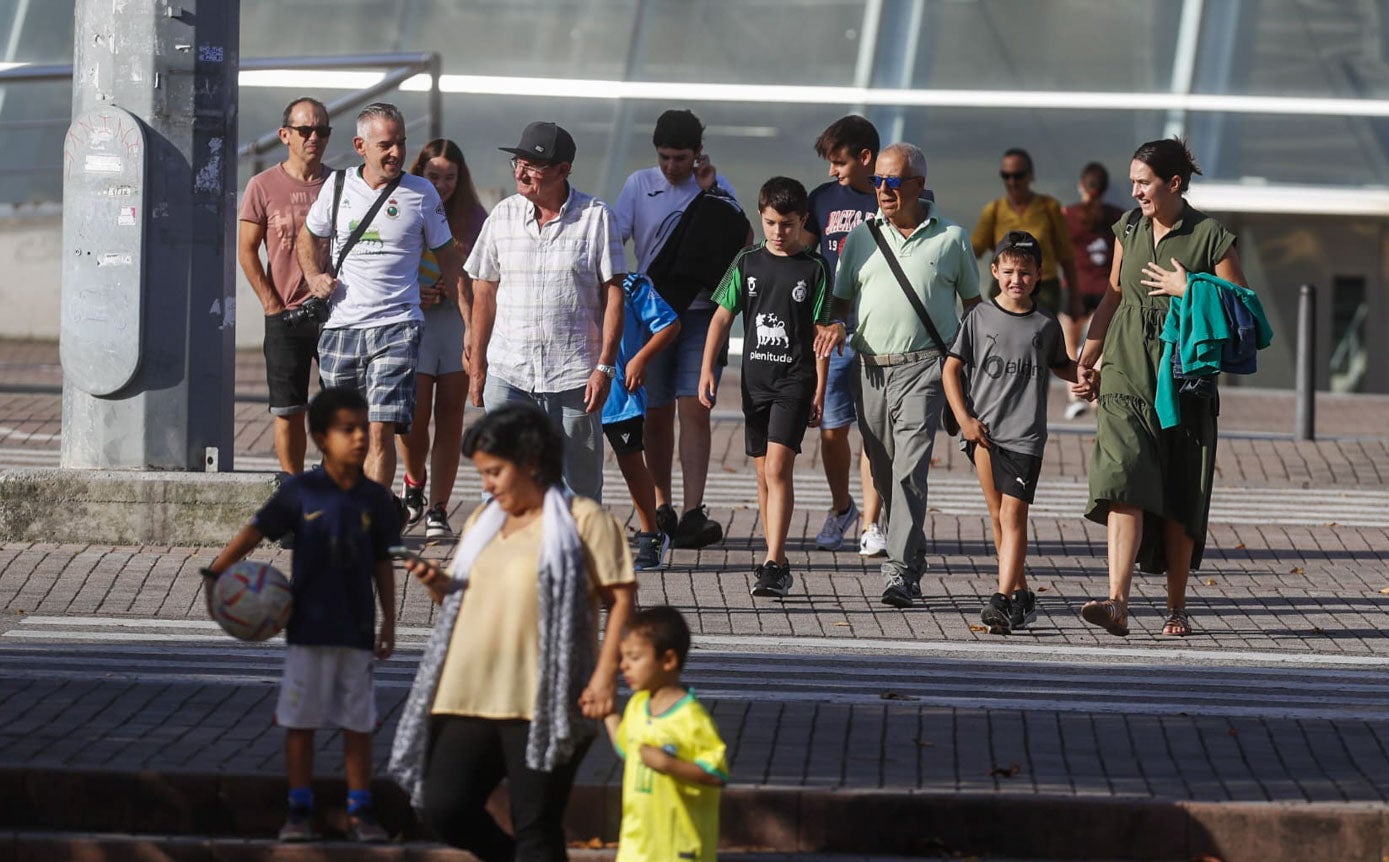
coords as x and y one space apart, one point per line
666 519
364 828
651 551
695 530
436 523
773 580
298 826
1024 609
997 615
414 504
898 593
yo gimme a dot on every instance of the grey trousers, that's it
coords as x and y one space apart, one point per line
899 409
583 432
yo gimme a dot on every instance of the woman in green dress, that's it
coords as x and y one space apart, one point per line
1151 486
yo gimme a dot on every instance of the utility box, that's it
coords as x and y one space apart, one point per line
149 236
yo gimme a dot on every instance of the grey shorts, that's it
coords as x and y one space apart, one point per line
441 341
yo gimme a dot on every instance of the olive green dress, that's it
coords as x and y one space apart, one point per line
1167 473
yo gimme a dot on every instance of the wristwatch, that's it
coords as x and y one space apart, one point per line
208 573
609 370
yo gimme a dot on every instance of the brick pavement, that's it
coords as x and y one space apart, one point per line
1300 590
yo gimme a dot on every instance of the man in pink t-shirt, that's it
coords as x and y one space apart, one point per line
273 210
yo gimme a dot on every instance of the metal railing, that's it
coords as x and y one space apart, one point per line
399 68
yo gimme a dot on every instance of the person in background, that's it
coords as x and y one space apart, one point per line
1021 208
850 145
273 210
1089 223
441 381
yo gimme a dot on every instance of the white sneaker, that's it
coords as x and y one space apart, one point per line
836 525
873 543
1075 408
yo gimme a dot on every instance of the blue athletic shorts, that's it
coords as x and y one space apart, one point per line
378 362
840 388
674 372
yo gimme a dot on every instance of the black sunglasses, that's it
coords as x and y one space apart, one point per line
306 131
893 183
1012 175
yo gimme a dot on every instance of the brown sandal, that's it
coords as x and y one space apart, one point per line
1110 615
1176 624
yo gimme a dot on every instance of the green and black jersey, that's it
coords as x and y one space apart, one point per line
781 299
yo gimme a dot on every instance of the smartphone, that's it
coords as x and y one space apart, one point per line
402 553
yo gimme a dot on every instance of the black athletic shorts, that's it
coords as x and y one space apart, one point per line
290 351
1090 301
625 436
779 420
1015 474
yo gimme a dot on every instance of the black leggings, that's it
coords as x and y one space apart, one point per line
468 758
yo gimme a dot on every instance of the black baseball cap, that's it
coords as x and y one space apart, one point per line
1019 242
544 142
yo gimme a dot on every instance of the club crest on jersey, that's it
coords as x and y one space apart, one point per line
798 292
752 285
392 210
771 331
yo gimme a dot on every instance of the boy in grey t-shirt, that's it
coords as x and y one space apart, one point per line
996 381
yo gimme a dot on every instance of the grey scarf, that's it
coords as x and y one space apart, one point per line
567 658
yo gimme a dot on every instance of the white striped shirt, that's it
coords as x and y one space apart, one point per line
548 332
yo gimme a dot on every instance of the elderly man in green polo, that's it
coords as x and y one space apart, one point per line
900 274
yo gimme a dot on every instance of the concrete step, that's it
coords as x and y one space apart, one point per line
244 811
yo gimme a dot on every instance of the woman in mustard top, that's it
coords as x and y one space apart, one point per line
1021 208
1151 486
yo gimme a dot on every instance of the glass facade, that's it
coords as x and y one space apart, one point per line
1120 67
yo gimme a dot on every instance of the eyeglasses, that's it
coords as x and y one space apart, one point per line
1012 175
893 183
533 170
306 132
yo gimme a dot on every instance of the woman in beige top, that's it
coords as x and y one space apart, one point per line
515 676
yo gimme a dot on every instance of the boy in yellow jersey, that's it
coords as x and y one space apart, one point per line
675 765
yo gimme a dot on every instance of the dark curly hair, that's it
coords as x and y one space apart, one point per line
522 434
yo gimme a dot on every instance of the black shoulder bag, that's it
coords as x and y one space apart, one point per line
947 416
361 228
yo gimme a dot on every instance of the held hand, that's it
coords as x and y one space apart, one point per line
322 285
1163 281
976 432
599 696
432 295
385 639
1087 383
596 391
828 338
635 374
708 389
704 172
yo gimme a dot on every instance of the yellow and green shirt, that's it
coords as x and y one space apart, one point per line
663 818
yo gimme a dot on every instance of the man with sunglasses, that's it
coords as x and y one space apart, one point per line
547 274
901 396
273 210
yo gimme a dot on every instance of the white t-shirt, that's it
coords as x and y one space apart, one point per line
649 208
379 282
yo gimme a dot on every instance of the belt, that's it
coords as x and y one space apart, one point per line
883 360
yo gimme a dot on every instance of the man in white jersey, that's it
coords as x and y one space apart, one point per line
371 339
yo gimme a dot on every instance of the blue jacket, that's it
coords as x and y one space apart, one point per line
1217 326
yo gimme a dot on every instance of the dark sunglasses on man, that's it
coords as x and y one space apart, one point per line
1012 175
893 183
306 132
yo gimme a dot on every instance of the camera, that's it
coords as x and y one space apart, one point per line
314 309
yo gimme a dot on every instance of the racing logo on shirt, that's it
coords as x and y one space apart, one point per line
798 292
771 332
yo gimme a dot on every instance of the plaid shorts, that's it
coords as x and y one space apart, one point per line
378 362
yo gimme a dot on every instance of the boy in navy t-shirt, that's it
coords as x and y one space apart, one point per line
782 290
344 524
624 413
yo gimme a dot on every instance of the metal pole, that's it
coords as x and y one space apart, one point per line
436 97
1306 362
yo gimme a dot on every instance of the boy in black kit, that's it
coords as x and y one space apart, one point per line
782 289
344 524
1005 349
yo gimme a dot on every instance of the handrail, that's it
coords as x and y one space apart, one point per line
403 66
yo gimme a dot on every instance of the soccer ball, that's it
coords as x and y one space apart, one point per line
251 601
